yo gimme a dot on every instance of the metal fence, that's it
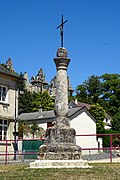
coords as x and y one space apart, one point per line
109 151
27 150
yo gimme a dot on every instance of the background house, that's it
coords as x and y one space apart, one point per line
107 119
80 119
8 106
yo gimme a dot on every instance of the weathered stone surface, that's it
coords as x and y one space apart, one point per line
60 143
61 104
60 140
62 122
59 164
62 52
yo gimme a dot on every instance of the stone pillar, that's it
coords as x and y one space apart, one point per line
61 99
60 142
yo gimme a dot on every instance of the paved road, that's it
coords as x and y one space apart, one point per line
115 160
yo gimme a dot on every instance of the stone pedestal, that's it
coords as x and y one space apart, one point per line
60 143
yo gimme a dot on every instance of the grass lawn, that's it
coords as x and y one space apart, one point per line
98 172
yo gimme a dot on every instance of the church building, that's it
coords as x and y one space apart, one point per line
38 83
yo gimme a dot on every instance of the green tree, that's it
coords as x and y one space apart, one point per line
71 98
23 128
116 121
99 114
111 92
104 90
25 97
33 128
25 102
43 100
90 90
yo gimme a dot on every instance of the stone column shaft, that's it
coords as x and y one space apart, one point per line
61 99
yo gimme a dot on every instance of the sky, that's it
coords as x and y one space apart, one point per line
29 36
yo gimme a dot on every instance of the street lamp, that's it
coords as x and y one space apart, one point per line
15 133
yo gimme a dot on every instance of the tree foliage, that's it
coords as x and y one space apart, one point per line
43 100
104 90
23 128
111 92
99 114
25 102
116 121
90 90
33 129
31 102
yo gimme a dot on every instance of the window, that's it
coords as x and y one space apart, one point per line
3 129
3 94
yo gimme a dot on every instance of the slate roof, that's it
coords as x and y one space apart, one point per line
4 71
36 115
72 104
49 116
79 104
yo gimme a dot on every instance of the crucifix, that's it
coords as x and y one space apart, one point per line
61 26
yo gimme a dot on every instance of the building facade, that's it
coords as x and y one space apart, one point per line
8 108
38 83
107 120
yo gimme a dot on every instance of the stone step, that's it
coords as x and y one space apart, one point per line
60 164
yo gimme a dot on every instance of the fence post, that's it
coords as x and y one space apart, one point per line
110 148
6 153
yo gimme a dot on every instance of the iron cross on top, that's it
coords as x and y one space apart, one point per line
61 26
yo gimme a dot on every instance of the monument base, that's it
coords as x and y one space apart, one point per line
60 142
59 164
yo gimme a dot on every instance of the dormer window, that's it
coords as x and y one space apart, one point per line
3 94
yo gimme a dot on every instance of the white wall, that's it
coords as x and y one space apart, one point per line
83 124
43 125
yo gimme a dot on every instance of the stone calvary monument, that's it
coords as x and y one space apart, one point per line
59 148
60 139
